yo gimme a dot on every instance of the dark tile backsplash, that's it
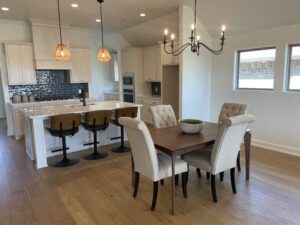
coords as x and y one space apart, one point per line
51 85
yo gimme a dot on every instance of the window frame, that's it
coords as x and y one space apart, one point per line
288 71
238 68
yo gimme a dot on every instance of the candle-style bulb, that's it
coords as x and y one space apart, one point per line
172 36
166 32
223 28
198 37
192 26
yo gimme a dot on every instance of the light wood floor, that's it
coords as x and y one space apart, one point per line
100 192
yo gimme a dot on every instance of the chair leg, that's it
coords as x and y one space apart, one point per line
213 187
199 172
207 175
136 183
232 178
155 191
176 179
162 181
221 176
238 162
184 183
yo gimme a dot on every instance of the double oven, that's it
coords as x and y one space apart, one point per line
128 87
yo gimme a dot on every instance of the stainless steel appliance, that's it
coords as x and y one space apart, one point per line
128 87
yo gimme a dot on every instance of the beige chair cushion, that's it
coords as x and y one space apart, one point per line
201 157
147 162
163 116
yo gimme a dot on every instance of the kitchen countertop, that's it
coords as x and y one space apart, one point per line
45 103
47 111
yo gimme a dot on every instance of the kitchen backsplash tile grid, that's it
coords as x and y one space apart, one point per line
51 85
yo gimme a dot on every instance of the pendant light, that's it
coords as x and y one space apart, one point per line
103 54
62 52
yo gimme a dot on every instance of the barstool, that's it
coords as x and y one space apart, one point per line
62 126
123 112
96 121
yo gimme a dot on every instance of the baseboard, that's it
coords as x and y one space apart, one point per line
275 147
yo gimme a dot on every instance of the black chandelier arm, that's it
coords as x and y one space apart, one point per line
177 50
216 52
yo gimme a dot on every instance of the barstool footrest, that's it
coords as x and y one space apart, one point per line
59 150
91 143
114 138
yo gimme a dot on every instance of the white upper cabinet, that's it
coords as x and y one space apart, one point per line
169 59
45 40
81 65
20 66
152 64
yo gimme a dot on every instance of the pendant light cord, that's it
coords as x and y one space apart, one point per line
101 24
58 7
195 18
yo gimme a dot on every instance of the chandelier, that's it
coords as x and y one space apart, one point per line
195 42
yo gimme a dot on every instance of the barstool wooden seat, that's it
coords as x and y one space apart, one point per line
123 112
96 121
62 126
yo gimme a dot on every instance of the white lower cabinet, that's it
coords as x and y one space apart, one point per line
147 102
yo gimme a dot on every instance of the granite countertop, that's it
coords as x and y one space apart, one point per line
46 111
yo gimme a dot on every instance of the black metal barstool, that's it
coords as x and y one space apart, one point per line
94 122
62 126
123 112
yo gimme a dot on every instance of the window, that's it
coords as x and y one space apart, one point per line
294 67
255 68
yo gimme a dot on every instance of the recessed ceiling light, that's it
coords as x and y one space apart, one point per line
75 5
142 14
4 9
98 20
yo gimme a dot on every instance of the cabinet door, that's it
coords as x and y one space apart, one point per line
168 59
125 61
14 67
76 68
28 72
149 64
85 65
158 65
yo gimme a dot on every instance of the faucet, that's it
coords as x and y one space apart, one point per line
81 93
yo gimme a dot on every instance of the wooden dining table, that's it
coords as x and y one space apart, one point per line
175 143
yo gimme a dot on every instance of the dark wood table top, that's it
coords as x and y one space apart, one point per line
173 142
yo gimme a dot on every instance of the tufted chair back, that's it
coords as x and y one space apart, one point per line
163 116
231 109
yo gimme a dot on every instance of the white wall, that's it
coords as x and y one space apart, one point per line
195 71
277 112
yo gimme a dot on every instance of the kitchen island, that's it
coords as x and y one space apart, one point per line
39 142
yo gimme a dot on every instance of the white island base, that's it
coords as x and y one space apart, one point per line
40 143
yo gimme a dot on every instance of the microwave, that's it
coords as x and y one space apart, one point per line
128 79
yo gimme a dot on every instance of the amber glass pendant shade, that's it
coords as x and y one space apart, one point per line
103 55
62 53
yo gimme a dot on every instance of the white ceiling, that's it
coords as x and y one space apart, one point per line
239 15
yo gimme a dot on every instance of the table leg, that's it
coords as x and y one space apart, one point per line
173 185
247 142
132 171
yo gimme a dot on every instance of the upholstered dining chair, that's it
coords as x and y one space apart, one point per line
147 161
229 110
222 155
163 116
